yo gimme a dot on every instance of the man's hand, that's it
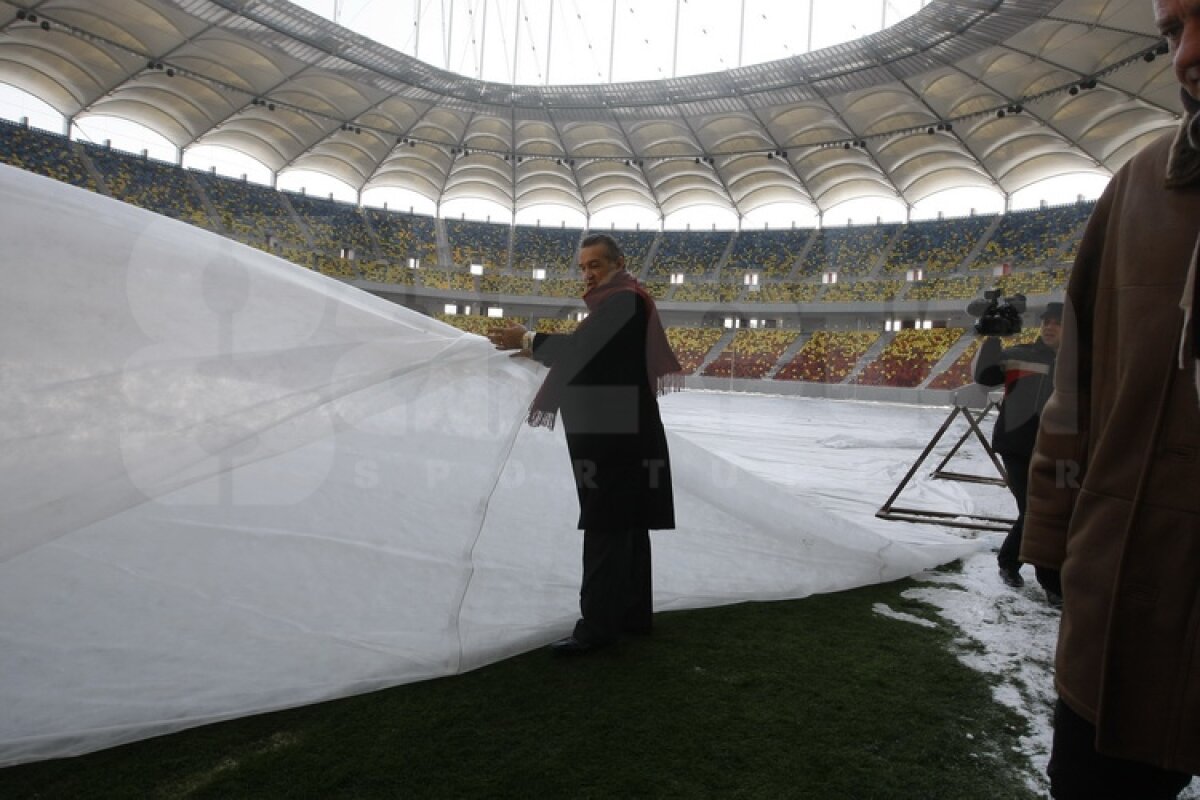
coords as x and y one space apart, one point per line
507 338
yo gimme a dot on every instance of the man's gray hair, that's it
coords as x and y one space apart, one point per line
610 244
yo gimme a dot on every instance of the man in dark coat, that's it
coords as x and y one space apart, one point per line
1027 372
604 379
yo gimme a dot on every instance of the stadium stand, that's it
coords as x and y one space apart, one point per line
313 232
1033 282
851 251
435 279
828 356
252 213
783 293
562 287
635 245
403 236
552 249
955 288
478 243
908 358
387 272
44 153
547 325
771 253
861 292
1034 237
960 373
937 246
659 290
751 354
692 345
474 323
694 253
507 284
154 185
332 226
707 292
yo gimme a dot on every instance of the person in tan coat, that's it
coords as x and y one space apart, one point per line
1114 495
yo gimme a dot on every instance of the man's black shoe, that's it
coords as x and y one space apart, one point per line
570 646
1011 577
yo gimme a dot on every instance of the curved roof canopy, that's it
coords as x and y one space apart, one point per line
972 93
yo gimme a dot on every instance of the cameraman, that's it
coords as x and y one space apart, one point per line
1027 372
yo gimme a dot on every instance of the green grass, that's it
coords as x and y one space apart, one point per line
815 698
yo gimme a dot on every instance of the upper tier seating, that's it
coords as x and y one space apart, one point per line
387 272
252 213
44 153
333 226
154 185
551 249
635 245
937 246
771 253
693 253
1034 237
477 243
507 284
313 232
404 236
851 251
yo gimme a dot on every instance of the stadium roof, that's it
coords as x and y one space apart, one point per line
997 94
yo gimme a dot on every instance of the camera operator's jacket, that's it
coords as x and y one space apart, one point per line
1027 372
1114 493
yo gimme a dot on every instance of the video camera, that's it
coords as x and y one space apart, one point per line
997 315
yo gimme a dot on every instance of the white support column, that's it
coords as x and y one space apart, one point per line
742 33
516 41
811 3
549 36
612 41
449 30
675 48
483 40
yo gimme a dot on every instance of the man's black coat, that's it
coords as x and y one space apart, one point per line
609 411
1027 372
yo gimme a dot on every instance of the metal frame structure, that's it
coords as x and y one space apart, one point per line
994 94
889 510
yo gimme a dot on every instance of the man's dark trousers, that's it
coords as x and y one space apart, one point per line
616 595
1017 468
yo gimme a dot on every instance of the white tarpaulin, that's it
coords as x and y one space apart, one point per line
229 485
